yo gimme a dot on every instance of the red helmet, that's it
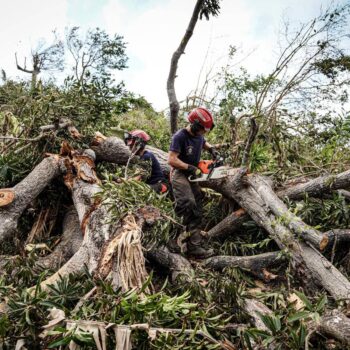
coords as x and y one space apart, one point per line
203 117
132 136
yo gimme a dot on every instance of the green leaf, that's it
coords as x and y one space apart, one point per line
59 342
321 303
27 316
298 316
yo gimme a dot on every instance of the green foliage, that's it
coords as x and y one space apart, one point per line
331 67
28 310
287 327
155 124
324 213
127 196
96 54
210 7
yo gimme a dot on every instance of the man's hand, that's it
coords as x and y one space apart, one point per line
214 153
193 170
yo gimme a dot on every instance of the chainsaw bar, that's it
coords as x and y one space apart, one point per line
216 173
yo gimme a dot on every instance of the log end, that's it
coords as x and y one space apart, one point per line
98 139
324 242
7 196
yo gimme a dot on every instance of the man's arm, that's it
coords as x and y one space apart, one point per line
207 146
174 161
211 149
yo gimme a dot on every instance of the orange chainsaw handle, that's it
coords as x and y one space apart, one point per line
205 166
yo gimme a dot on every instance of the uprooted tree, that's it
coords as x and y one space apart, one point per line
86 257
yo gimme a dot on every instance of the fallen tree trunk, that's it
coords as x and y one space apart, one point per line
317 187
110 149
306 260
229 225
293 222
113 149
254 263
69 244
24 193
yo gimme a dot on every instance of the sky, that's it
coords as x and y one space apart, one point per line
153 30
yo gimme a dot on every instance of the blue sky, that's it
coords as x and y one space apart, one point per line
153 30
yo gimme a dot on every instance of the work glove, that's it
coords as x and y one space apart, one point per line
214 153
193 170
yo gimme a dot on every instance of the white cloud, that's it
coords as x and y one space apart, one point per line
153 31
154 34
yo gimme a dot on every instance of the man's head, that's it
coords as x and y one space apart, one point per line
201 121
136 140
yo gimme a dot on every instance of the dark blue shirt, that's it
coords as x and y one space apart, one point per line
156 174
189 147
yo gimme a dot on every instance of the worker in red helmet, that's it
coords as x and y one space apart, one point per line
184 155
137 140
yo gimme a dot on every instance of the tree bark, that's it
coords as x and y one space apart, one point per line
254 308
254 128
337 325
317 187
254 263
293 222
173 103
113 150
110 149
307 261
229 225
25 192
337 236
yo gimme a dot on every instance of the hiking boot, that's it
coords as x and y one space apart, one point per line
196 246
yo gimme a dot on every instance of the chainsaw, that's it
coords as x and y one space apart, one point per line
212 169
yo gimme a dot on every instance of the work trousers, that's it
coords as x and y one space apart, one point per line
188 199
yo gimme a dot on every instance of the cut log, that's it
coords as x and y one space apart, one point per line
113 149
25 192
317 187
229 225
175 263
306 260
69 244
110 149
254 263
